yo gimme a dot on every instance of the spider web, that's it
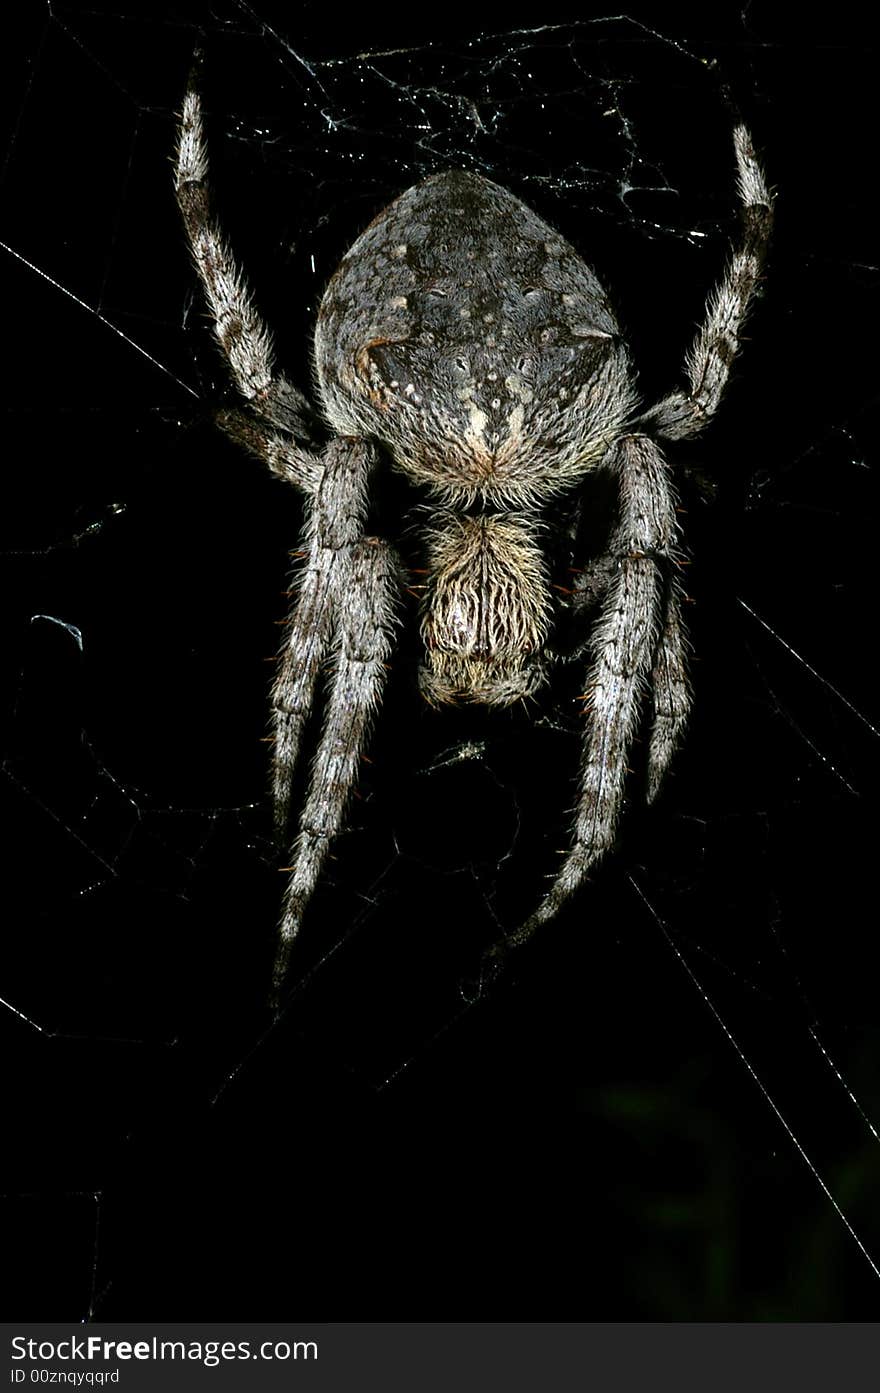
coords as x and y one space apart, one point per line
682 1080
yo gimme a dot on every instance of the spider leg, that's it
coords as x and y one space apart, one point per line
334 524
669 680
709 361
672 693
239 329
623 651
284 457
366 622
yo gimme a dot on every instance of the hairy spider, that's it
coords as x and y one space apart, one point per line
467 339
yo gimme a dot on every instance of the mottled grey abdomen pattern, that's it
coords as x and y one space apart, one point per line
471 339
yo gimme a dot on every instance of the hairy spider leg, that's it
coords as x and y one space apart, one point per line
334 524
367 621
623 647
286 459
711 356
238 327
349 583
672 692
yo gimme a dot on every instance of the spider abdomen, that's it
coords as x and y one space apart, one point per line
469 338
487 610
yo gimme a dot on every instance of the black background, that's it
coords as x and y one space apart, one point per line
642 1122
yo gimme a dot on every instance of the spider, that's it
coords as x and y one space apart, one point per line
464 337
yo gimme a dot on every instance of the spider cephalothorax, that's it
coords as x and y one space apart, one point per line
466 339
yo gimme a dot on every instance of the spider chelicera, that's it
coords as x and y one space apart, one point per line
466 339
